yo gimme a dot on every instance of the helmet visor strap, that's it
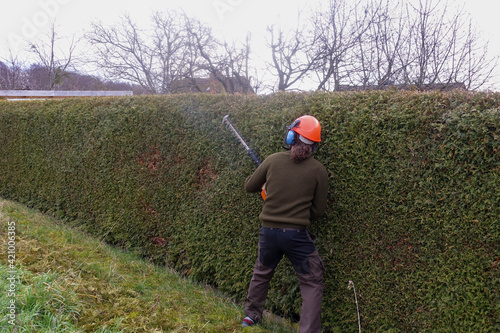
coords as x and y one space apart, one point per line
294 124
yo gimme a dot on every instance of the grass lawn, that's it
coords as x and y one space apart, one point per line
62 280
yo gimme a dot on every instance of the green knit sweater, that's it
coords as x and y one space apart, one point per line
296 193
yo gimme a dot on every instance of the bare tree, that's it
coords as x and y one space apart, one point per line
203 46
4 76
123 53
447 49
169 40
292 54
11 73
237 66
225 62
379 49
341 29
433 39
53 59
474 67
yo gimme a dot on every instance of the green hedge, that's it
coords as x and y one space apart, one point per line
413 214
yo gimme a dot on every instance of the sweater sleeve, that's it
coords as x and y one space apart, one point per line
255 181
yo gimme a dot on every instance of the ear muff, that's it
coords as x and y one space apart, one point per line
291 135
290 138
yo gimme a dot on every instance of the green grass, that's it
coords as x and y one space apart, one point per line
70 282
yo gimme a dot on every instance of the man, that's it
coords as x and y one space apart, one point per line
297 187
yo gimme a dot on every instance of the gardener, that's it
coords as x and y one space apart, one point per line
297 187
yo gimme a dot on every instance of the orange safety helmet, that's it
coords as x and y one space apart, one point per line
306 126
309 128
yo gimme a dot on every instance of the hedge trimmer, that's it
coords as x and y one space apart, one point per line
249 150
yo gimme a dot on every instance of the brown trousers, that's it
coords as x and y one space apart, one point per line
298 247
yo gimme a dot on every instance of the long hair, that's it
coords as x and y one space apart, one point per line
300 151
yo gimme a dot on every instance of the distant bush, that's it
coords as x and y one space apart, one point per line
414 202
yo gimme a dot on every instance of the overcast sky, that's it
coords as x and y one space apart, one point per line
30 19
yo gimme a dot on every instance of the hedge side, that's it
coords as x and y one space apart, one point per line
413 216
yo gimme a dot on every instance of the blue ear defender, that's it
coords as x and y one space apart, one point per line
291 135
290 138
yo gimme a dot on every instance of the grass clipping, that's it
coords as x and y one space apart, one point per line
67 281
